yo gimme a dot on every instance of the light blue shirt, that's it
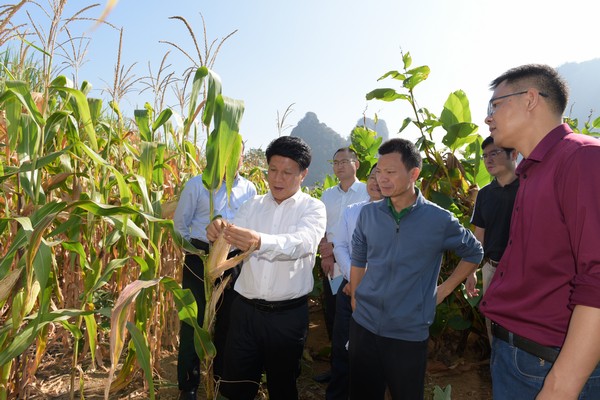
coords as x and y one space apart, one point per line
193 213
342 237
336 201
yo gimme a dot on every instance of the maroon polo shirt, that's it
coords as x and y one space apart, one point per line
552 260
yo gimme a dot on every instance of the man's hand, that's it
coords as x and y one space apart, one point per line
214 229
346 289
325 248
242 238
471 285
327 259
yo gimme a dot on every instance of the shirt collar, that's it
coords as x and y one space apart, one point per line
294 198
544 146
353 187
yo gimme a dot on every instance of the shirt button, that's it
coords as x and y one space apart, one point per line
510 241
501 274
524 176
484 303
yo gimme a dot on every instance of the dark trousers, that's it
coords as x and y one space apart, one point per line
329 303
264 340
188 363
377 362
339 386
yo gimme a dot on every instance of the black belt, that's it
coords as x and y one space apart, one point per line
274 306
492 262
543 352
200 245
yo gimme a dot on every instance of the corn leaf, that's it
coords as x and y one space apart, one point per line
142 352
83 110
117 322
25 337
8 282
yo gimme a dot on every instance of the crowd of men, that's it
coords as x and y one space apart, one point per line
381 245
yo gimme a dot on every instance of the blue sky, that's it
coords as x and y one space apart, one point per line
324 56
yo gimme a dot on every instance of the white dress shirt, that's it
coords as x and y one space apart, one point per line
342 242
290 233
192 213
336 200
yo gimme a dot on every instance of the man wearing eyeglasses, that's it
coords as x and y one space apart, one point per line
544 300
349 191
492 212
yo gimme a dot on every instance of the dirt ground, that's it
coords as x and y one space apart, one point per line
468 377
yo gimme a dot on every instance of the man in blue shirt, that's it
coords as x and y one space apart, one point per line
339 386
402 239
190 220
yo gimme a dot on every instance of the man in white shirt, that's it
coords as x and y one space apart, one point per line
269 318
190 220
349 191
339 386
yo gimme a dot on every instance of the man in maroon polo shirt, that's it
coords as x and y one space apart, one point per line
544 300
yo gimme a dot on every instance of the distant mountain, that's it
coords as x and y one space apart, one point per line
323 141
380 127
584 83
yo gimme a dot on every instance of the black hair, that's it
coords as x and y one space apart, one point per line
291 147
372 169
349 150
542 77
410 155
490 140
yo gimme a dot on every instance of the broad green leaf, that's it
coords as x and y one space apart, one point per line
162 119
25 337
386 94
142 120
188 310
84 114
95 106
124 191
125 224
223 147
394 75
417 77
22 92
75 331
214 92
112 266
42 264
407 60
197 83
456 109
142 352
460 134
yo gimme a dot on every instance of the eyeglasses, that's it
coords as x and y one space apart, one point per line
491 154
340 163
492 107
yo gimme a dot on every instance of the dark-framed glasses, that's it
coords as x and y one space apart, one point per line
492 103
340 163
491 154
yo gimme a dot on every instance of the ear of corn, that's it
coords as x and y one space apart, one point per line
217 259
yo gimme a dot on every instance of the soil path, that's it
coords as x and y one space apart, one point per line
468 377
